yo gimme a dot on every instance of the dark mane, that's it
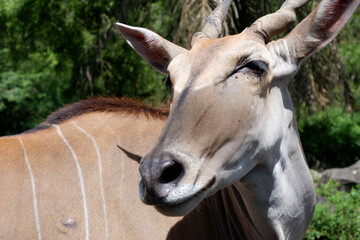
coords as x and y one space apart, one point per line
102 104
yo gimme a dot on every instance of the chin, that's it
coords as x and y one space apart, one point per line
182 208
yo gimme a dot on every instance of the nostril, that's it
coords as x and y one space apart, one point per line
172 171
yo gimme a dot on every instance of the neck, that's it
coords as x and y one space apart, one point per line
279 195
276 199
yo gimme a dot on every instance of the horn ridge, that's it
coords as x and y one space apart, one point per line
213 23
272 24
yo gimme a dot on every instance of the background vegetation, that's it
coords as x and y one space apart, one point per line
338 218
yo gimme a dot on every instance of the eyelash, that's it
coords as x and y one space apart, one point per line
257 67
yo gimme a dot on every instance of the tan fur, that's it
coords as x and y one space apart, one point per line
57 184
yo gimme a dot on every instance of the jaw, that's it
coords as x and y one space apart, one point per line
183 207
180 206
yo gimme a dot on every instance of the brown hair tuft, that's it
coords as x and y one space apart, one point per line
105 104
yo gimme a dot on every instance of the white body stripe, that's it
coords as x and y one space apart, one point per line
122 176
82 186
100 175
36 213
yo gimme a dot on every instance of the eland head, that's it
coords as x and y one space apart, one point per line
231 109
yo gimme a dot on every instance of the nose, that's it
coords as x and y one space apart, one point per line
159 177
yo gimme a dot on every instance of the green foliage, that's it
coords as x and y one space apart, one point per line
23 89
339 217
331 136
56 52
350 48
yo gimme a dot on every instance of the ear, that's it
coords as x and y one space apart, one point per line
319 28
154 49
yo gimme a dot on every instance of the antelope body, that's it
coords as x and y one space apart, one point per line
230 144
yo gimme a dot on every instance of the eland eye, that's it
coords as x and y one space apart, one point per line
258 67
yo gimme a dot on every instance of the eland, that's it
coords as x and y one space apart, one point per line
225 161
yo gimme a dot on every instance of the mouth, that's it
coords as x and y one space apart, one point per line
182 206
